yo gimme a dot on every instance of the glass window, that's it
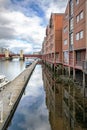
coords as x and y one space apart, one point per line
71 7
81 35
77 36
77 18
81 15
78 56
65 29
66 57
65 42
71 24
71 38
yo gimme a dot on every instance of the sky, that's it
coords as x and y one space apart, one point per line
23 23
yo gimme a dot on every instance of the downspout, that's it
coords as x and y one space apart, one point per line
54 41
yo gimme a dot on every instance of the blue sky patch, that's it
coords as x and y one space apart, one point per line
36 8
15 1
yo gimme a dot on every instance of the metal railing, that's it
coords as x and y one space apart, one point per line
78 63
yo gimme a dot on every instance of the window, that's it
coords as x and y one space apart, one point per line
65 29
78 56
81 15
71 39
66 57
71 24
65 42
77 2
71 7
81 35
77 36
77 18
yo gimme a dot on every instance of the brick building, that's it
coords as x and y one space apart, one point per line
52 44
74 42
66 41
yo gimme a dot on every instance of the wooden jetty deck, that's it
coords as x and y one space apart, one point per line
11 94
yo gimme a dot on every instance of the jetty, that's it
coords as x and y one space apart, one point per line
11 95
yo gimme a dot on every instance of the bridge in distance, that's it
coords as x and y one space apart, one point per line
22 56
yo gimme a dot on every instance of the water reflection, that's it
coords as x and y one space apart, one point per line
11 68
53 100
32 113
67 105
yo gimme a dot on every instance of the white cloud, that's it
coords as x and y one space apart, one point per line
17 25
20 21
52 6
16 45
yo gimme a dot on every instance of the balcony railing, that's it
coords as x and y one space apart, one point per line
84 65
78 63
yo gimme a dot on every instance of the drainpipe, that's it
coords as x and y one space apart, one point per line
54 40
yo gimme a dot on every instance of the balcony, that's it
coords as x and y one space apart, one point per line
84 65
58 61
78 64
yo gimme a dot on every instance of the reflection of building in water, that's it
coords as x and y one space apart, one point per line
74 108
53 100
66 104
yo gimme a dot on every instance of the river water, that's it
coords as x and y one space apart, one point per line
46 104
11 68
32 112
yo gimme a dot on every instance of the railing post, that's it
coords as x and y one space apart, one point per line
10 98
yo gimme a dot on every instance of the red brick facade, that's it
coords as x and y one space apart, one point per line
66 38
74 32
52 45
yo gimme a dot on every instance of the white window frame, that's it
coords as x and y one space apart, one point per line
71 24
77 36
81 34
66 57
71 39
65 29
71 7
65 42
77 18
81 15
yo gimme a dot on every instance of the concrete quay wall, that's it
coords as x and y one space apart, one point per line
11 95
